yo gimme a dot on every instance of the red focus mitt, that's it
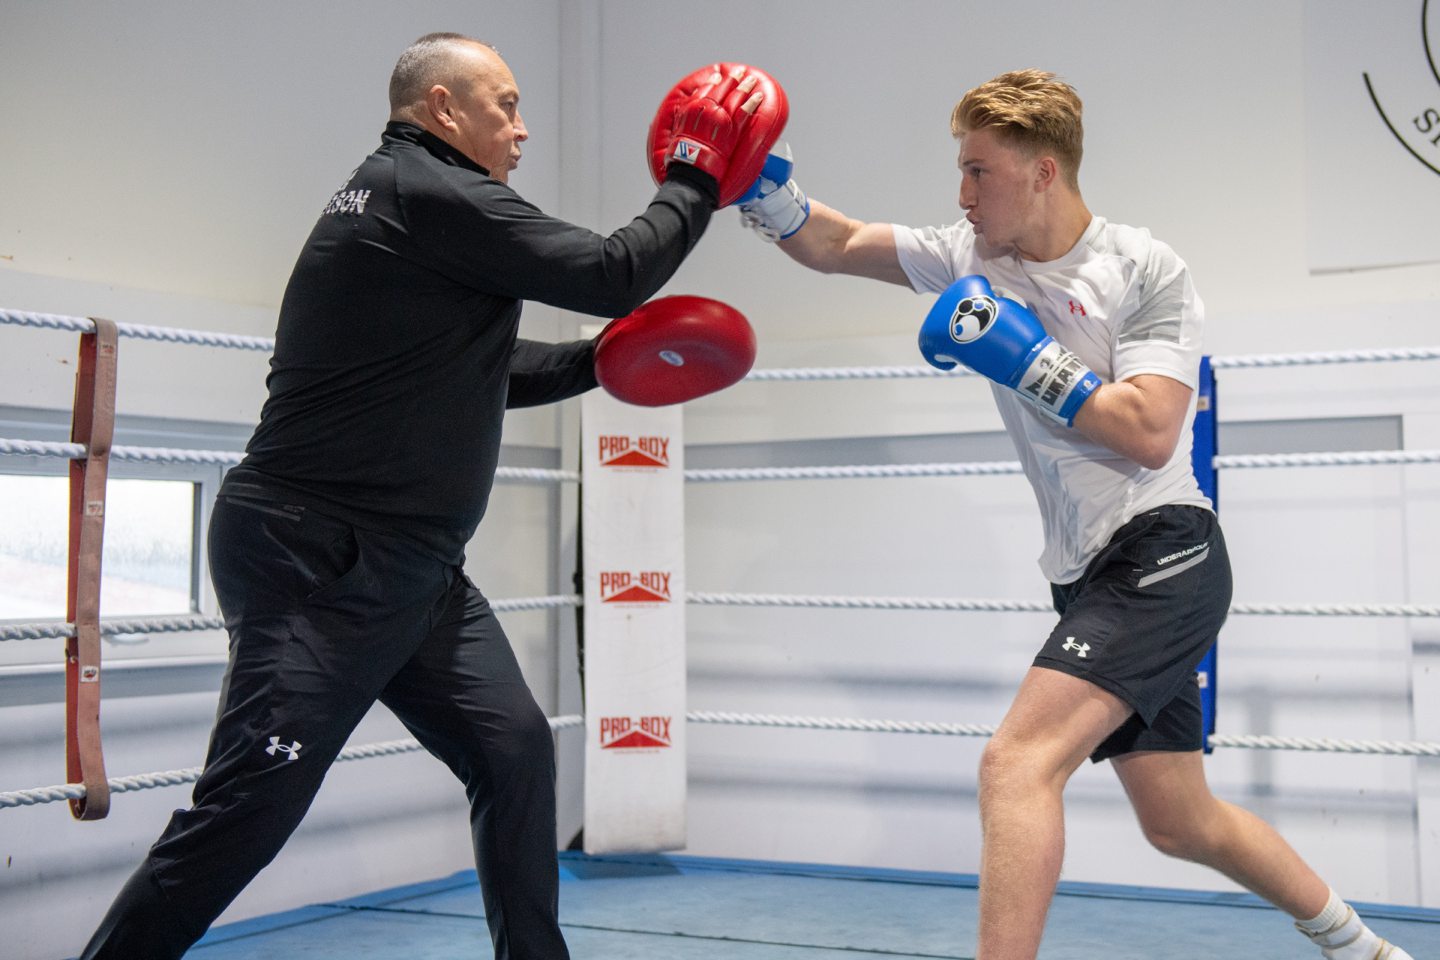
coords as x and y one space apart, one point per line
674 349
723 119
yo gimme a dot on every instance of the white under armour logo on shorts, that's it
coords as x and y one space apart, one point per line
276 748
1080 648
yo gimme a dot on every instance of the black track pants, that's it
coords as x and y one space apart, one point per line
324 619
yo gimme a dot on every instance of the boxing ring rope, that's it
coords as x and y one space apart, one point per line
998 467
388 748
170 778
40 448
54 629
1250 362
1039 606
174 778
43 448
53 321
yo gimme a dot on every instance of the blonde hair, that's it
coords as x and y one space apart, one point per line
1032 110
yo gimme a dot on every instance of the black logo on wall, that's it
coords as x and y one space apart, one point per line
1413 113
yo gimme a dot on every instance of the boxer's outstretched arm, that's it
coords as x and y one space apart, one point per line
834 243
820 237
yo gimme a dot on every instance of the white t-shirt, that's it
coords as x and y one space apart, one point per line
1125 304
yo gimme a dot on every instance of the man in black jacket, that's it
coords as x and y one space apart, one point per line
336 545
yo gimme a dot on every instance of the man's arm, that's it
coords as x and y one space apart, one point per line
1139 418
549 372
831 242
820 237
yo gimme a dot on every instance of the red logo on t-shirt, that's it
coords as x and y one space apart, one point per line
1078 307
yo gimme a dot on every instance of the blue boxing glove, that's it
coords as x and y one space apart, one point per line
775 206
1001 339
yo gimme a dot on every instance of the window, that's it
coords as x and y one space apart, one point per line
148 563
154 552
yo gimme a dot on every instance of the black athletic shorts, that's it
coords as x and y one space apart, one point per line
1139 621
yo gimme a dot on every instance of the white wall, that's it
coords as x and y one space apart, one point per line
175 161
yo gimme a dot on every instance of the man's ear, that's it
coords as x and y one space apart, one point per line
1047 173
438 103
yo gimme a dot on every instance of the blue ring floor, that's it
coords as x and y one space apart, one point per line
640 907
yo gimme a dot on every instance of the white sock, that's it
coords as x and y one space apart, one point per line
1341 935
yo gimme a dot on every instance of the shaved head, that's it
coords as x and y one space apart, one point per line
440 58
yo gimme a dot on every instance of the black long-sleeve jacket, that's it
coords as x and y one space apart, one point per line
396 352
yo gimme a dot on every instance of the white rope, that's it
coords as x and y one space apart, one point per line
54 629
1382 355
58 629
74 791
146 781
55 321
1392 748
1396 748
74 451
536 603
1350 458
832 723
866 603
171 778
41 448
793 374
537 475
997 467
1335 610
1039 606
977 468
1219 363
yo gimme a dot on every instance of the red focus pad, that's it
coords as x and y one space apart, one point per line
756 132
674 349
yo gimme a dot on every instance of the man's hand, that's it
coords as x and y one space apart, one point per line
722 120
1001 339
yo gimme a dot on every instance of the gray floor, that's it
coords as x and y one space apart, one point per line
687 908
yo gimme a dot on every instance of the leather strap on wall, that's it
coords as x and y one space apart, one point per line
94 426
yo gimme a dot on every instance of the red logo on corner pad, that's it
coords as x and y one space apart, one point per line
622 586
634 733
617 451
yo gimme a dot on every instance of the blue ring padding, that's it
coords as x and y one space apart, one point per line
271 921
574 866
1074 888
